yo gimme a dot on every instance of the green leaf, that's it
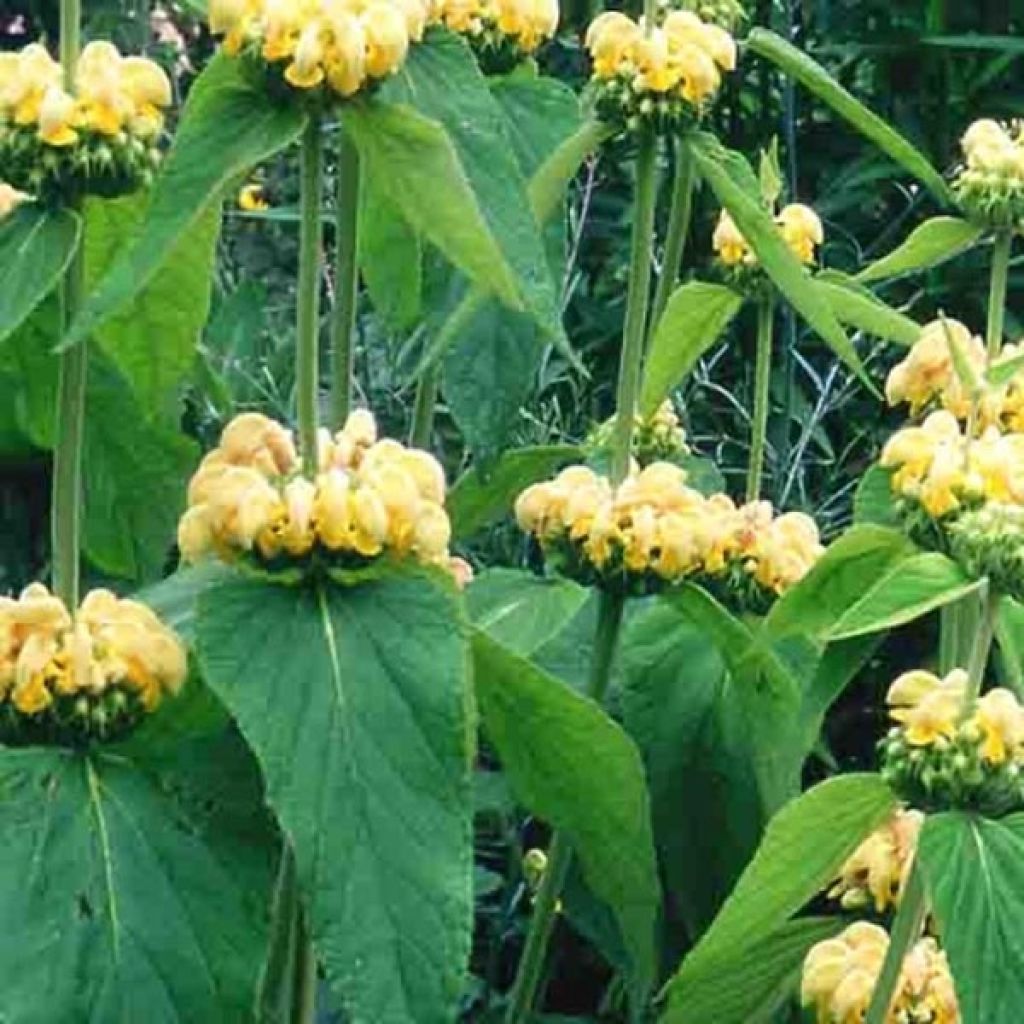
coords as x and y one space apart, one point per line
928 245
355 702
1010 648
122 905
522 611
174 597
729 176
1002 372
911 588
874 501
152 340
803 848
974 875
550 739
478 498
36 245
770 174
547 186
227 127
748 988
856 307
696 316
799 66
965 372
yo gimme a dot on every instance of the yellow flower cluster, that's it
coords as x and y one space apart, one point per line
990 185
10 199
877 870
335 46
945 752
938 467
661 75
800 227
94 673
840 974
249 500
654 530
99 137
502 32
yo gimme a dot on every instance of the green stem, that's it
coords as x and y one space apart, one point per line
307 299
997 291
304 993
906 929
675 234
423 409
346 280
542 922
73 368
982 645
762 394
631 360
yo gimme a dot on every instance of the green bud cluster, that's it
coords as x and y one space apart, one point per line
994 199
74 720
727 14
96 164
617 103
989 541
654 440
950 774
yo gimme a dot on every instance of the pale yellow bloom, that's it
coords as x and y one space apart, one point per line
56 118
999 719
928 708
729 245
250 198
10 199
387 39
801 229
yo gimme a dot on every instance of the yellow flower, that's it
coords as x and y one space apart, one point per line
254 440
306 69
104 105
369 522
280 25
10 199
56 116
656 72
729 245
250 198
801 230
25 78
685 27
930 463
463 15
529 22
149 90
387 39
839 974
610 39
999 718
928 707
697 72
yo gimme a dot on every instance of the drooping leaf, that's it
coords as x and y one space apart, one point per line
227 127
549 739
729 176
804 69
911 588
354 700
1001 372
36 245
928 245
874 501
120 905
520 610
152 340
696 316
974 875
478 498
803 848
856 307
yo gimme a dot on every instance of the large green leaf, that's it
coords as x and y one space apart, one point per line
120 905
856 307
803 848
730 177
355 702
751 988
520 610
816 79
974 875
479 497
571 765
36 244
696 316
227 127
928 245
152 340
909 589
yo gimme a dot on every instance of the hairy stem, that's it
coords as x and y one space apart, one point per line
997 291
906 929
307 299
73 369
762 395
531 965
631 360
423 409
675 235
346 281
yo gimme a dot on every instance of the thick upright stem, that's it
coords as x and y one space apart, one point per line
997 291
307 300
631 360
982 645
346 280
66 495
906 929
762 395
304 992
424 407
531 965
675 235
